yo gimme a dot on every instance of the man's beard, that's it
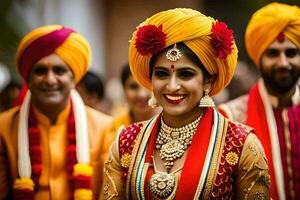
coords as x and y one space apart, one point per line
282 85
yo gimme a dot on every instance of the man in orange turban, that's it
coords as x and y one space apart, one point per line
52 145
273 105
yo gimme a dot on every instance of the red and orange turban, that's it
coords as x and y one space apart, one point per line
69 45
267 23
209 39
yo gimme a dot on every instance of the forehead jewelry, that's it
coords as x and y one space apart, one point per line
173 54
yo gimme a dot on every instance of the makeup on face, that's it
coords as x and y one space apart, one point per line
172 68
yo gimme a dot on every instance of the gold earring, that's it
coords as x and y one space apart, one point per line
152 101
206 100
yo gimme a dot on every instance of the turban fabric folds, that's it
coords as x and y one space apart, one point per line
70 46
267 23
209 39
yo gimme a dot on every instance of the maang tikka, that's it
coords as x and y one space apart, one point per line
173 54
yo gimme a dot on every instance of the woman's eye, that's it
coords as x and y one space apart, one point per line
133 86
160 73
186 74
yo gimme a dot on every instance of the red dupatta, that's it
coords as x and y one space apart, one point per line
257 118
191 173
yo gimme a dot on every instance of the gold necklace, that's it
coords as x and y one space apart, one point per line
172 142
162 184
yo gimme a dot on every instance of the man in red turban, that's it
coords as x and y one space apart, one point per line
273 104
52 145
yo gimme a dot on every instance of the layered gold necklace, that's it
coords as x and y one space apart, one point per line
173 142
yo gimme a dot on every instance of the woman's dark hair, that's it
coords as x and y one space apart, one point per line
184 50
125 74
93 84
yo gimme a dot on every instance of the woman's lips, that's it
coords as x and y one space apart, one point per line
174 99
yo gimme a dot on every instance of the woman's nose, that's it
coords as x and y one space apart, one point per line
173 84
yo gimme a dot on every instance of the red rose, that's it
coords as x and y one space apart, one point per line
221 39
150 39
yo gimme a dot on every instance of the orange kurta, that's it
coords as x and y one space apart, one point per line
53 180
123 119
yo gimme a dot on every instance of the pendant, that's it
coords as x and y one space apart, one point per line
162 185
171 151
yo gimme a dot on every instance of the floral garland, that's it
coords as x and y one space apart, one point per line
29 151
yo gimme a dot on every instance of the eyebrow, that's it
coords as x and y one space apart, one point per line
160 67
288 48
177 68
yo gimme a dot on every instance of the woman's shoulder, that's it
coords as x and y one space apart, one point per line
128 135
238 131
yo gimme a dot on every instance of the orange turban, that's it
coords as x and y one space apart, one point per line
209 39
267 23
69 45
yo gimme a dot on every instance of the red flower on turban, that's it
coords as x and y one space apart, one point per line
150 39
222 39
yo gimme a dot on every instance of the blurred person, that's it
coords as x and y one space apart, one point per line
243 79
92 91
189 150
52 145
9 88
272 106
136 97
9 94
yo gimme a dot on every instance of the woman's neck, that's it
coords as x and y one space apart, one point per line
177 121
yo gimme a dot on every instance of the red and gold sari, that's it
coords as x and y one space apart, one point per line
225 160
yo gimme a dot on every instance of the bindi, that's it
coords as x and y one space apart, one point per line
172 68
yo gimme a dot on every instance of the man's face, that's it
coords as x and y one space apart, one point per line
280 66
50 82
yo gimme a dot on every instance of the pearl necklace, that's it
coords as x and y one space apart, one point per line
172 142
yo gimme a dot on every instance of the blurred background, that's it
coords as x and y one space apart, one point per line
108 25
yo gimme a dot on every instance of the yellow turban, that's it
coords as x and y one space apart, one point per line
193 29
267 23
69 45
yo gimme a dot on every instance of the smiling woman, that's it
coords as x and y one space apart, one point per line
189 150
